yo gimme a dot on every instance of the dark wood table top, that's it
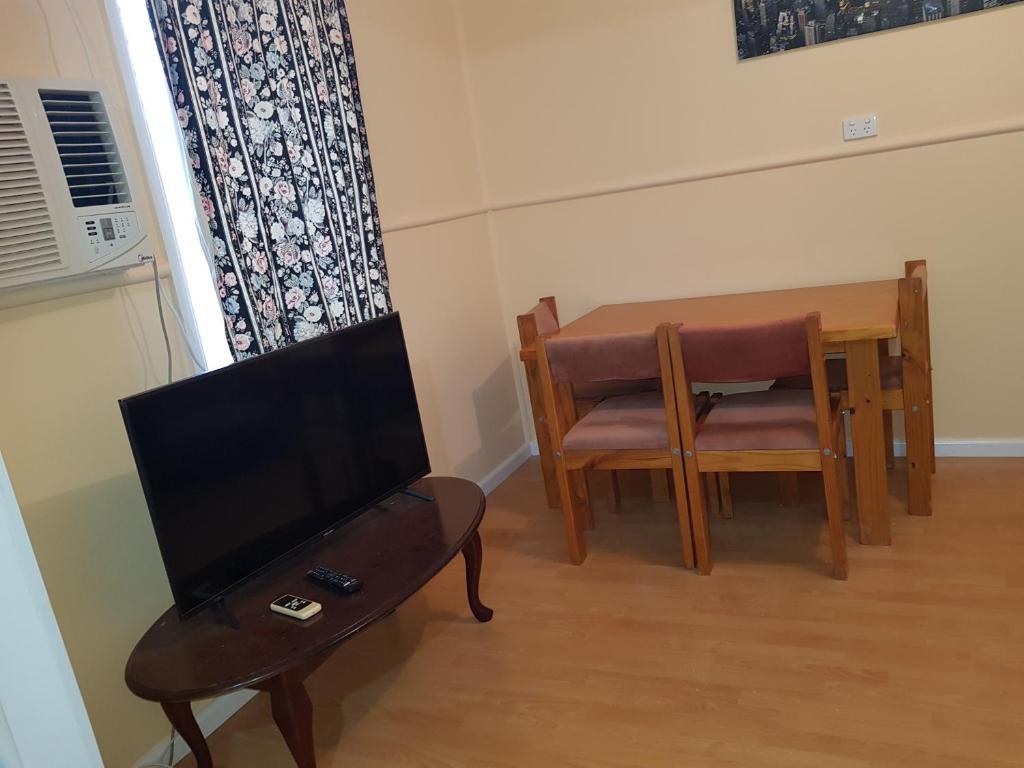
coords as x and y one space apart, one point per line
395 548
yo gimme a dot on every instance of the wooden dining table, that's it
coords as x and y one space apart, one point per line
854 317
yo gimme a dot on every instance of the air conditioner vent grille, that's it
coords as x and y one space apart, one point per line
86 147
27 241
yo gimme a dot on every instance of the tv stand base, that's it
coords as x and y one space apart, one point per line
416 494
223 613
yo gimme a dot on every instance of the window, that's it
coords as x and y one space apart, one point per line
183 230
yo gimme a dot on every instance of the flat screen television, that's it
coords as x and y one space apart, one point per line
243 465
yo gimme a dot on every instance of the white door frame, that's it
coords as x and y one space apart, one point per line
39 697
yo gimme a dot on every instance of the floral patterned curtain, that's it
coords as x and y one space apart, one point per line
268 103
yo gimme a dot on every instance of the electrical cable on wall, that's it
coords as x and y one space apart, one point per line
181 327
163 322
76 22
170 755
49 36
161 297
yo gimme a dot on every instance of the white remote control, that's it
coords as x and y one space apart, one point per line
296 607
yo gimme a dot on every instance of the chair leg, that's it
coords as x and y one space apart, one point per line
920 441
711 482
659 485
698 517
919 468
580 484
616 492
678 475
931 421
547 462
931 436
890 451
834 509
543 432
843 467
572 514
547 469
789 489
725 495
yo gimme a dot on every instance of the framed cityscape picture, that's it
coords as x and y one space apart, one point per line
771 26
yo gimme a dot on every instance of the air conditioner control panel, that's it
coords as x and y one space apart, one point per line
109 234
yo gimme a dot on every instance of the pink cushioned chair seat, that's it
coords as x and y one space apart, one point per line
890 371
598 390
628 423
776 419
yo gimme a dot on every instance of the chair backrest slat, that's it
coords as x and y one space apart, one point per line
919 270
915 334
539 321
547 322
608 357
913 322
819 382
745 353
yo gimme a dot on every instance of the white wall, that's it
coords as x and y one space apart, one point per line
444 279
9 757
42 717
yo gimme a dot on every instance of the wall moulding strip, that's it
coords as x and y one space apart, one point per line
873 147
80 285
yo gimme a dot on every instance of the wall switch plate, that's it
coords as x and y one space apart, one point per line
860 127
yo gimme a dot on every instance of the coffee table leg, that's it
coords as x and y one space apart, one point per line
473 551
293 713
184 722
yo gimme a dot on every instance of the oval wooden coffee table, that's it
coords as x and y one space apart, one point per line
395 548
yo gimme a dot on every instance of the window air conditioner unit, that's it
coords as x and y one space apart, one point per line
67 205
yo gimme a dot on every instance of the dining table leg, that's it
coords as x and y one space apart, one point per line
868 441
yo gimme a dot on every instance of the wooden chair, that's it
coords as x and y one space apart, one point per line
638 431
906 381
542 320
767 431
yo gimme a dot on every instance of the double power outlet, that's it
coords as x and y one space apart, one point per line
863 127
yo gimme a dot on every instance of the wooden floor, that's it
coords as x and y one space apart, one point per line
628 660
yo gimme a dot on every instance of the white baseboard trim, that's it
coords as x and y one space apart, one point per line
971 448
996 448
210 718
500 474
966 449
218 711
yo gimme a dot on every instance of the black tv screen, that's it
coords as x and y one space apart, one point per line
242 465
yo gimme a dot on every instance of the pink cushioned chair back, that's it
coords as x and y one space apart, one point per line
612 357
745 353
546 322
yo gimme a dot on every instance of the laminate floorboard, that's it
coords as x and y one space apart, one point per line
630 660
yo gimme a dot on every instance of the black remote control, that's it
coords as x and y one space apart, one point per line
334 581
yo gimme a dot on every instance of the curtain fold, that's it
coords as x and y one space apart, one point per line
268 103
